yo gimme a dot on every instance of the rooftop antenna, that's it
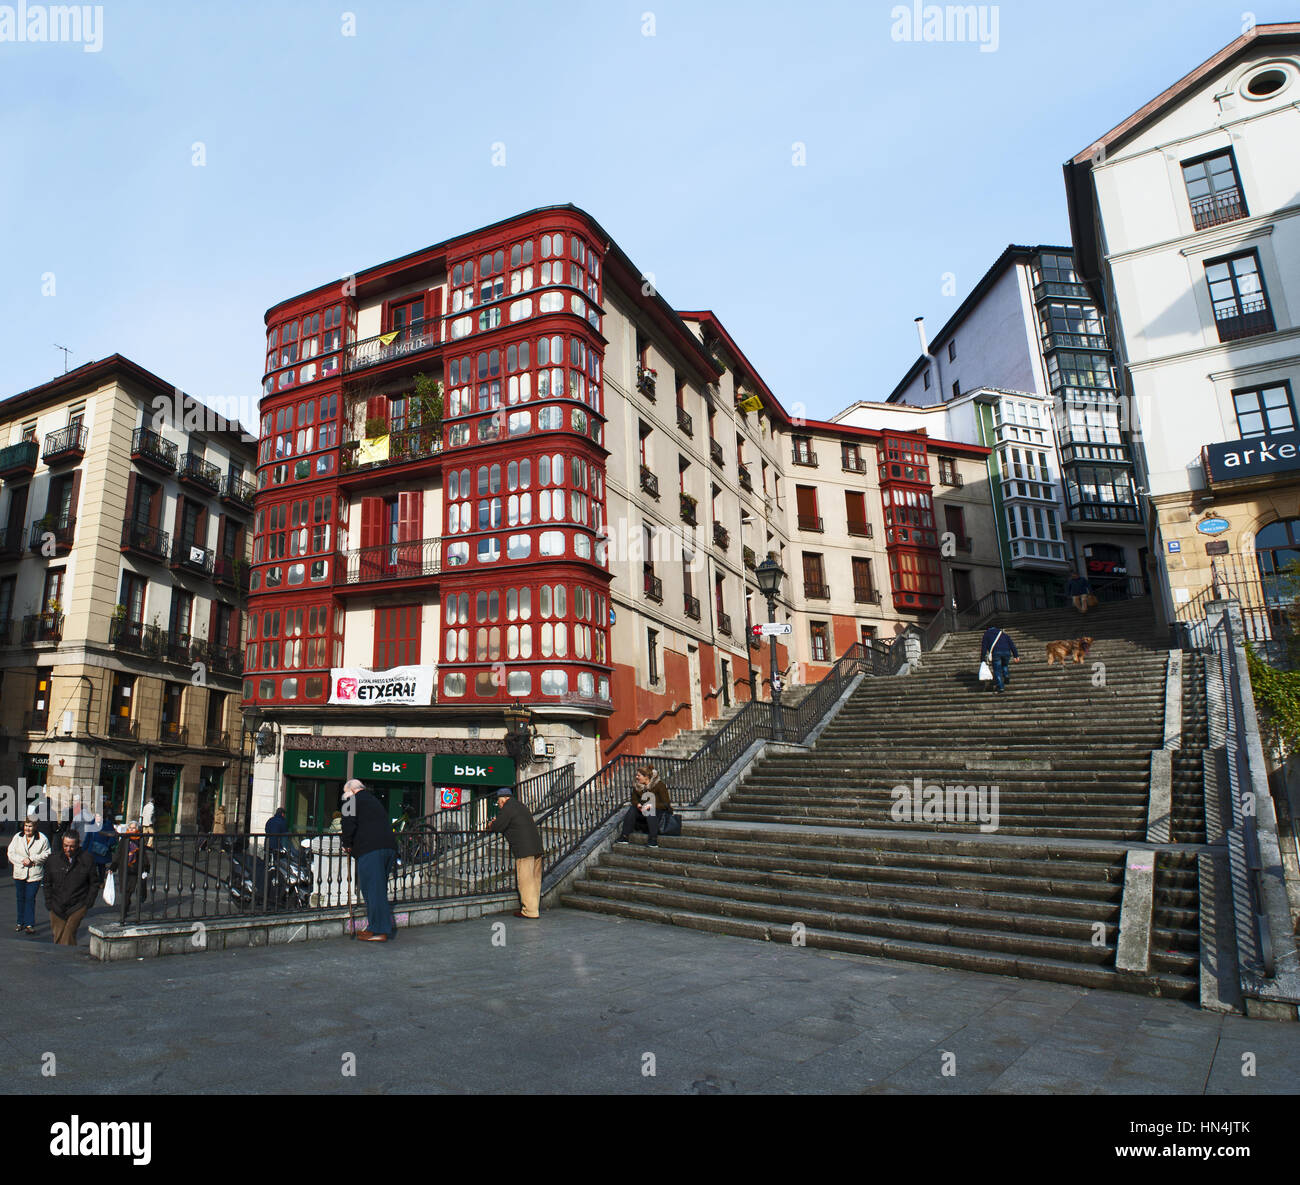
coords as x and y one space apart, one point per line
66 352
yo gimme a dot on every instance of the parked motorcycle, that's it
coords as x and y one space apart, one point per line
281 881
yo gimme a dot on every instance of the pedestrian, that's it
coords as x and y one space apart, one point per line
99 843
650 803
147 820
1080 591
367 835
28 852
80 820
131 860
69 888
997 649
336 823
277 827
520 829
219 820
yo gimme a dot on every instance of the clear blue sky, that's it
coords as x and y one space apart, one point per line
326 154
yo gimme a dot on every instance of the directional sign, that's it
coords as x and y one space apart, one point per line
770 628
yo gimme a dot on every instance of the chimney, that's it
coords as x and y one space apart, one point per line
920 332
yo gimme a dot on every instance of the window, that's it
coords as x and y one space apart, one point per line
855 509
925 378
814 577
821 644
119 704
173 717
1237 292
851 457
952 350
956 390
1214 190
397 636
803 454
1263 411
806 504
652 645
863 587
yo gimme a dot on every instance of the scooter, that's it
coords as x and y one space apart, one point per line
279 882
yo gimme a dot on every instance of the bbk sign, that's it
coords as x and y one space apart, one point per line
299 763
389 767
473 771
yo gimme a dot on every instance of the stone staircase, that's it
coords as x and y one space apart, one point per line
819 846
688 743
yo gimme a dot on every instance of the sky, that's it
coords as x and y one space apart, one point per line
803 169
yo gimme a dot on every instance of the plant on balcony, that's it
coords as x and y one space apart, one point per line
376 426
645 379
688 504
749 557
54 608
426 402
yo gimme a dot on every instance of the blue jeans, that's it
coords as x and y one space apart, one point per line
373 871
1000 664
27 891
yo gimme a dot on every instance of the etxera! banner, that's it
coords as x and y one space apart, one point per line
358 687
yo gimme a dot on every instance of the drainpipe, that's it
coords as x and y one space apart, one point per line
925 353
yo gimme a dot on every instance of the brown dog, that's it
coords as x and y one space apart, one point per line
1060 651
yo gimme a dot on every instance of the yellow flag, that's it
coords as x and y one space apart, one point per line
372 449
388 338
751 403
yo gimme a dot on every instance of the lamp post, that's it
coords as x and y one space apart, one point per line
251 718
770 574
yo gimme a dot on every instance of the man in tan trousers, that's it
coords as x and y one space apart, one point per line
520 829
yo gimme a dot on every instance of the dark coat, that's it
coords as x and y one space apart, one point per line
1004 644
366 826
520 829
131 858
69 884
658 788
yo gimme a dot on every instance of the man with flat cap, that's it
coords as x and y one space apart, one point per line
520 829
368 837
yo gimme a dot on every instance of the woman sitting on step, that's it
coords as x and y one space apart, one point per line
649 804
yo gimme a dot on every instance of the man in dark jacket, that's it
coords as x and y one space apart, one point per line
368 837
69 888
997 649
277 826
1077 590
520 829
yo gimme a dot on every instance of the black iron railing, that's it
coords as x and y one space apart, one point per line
200 472
150 541
724 623
816 590
236 489
746 482
540 793
188 556
803 457
864 594
58 530
810 522
412 339
650 483
65 444
654 587
43 627
122 727
688 510
408 560
11 542
860 529
692 607
150 447
721 536
138 638
715 452
684 421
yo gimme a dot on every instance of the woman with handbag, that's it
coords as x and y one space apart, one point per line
28 851
649 806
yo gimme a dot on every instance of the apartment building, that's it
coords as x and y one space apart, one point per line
1186 217
1027 360
123 559
510 506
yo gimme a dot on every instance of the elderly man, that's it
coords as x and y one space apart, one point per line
368 837
69 888
520 829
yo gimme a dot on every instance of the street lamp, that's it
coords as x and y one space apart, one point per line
770 574
250 720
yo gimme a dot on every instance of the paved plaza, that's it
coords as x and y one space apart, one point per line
581 1003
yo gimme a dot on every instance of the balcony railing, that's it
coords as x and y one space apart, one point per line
1049 288
217 738
410 444
6 631
37 720
864 594
196 471
137 638
412 559
654 587
1104 512
861 530
230 571
42 627
688 505
151 449
721 536
123 726
146 540
237 490
1252 318
715 453
60 530
724 623
650 483
746 482
172 732
816 590
951 478
19 458
854 464
1217 208
962 542
178 648
684 421
188 556
385 347
225 660
1075 341
65 445
692 607
803 457
810 522
645 382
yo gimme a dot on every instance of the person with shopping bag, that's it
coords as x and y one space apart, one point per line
996 652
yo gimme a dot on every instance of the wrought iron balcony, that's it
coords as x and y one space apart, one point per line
724 623
151 449
692 607
230 571
951 478
810 522
803 457
864 594
217 738
198 472
816 590
715 453
225 660
58 530
65 446
397 343
854 465
688 510
654 587
19 458
1217 208
238 491
173 732
721 536
178 648
6 632
649 483
410 444
684 421
645 382
188 556
123 726
147 541
414 559
860 529
1250 319
42 627
138 638
37 720
746 482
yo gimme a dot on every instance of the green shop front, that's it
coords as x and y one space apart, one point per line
465 789
314 788
397 780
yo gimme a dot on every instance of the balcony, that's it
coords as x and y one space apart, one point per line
178 649
414 559
804 457
861 530
721 536
650 483
724 623
951 478
715 453
645 381
684 421
11 543
688 505
1104 512
148 448
238 492
137 638
19 460
42 627
750 561
51 530
746 482
1217 208
654 586
386 347
854 464
692 607
810 522
230 572
410 444
6 632
123 727
188 556
1249 318
1075 341
216 738
864 594
146 541
815 590
1070 291
201 474
172 732
65 446
37 721
225 660
962 543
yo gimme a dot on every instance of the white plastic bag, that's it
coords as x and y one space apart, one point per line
986 672
110 889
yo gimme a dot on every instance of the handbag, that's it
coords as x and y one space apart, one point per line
670 824
986 671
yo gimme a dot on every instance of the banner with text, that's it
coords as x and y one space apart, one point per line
397 686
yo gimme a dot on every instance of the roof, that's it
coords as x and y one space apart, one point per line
1078 169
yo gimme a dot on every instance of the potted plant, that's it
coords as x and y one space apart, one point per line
376 426
688 503
645 379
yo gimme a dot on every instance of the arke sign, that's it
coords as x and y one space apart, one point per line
1253 457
